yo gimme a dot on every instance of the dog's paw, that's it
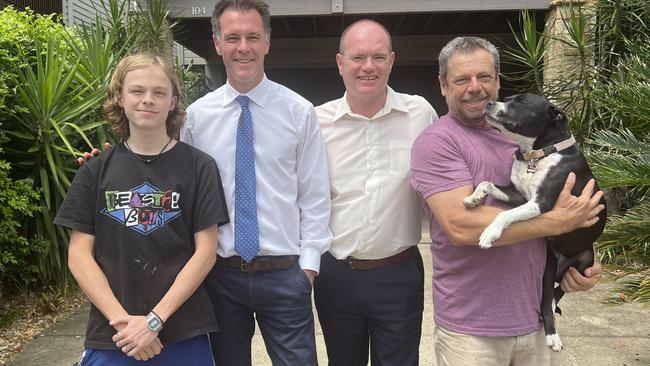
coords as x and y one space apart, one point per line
477 197
491 234
554 342
472 201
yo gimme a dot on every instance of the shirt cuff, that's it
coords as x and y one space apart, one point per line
310 259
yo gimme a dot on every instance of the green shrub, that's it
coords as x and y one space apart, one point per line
18 200
18 31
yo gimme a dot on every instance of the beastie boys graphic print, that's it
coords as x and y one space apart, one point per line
144 208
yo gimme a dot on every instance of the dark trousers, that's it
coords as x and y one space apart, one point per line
380 310
279 300
194 351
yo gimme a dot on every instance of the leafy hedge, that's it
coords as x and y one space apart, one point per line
18 32
18 255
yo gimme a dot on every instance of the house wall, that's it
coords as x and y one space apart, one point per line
39 6
202 8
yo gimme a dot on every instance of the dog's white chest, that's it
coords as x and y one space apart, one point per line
528 182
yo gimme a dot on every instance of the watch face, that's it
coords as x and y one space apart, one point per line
153 323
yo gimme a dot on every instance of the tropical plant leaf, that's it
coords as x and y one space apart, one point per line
604 87
528 55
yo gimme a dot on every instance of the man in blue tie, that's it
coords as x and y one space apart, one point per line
267 144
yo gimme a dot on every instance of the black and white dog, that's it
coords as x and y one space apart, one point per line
547 154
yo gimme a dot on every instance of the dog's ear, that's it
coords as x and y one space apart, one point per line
556 114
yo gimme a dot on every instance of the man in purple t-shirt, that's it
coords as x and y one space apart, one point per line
486 302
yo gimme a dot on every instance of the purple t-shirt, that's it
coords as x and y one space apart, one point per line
493 292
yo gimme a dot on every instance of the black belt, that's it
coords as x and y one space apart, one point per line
370 264
261 263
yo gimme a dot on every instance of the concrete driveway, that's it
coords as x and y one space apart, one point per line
594 334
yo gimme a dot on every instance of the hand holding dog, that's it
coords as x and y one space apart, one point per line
571 212
574 281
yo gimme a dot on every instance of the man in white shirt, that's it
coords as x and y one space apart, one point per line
370 291
271 278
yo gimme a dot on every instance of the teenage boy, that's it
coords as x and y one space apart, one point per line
144 217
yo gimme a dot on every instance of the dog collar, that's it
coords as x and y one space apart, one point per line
540 153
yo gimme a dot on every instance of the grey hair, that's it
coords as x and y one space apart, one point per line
260 6
464 45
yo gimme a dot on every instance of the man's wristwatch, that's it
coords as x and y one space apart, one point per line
154 323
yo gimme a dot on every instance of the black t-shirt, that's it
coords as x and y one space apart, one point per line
143 217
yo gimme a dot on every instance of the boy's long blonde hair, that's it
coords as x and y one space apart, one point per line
111 109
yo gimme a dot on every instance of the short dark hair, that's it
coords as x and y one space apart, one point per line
241 5
466 45
111 109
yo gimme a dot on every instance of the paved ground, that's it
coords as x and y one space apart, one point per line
594 334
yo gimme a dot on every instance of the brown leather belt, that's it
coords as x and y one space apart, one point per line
259 264
370 264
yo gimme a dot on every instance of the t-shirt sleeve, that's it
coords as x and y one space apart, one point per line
78 209
437 165
210 202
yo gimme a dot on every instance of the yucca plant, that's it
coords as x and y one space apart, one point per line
50 126
154 25
527 57
97 50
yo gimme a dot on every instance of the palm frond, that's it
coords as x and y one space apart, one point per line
615 170
623 140
632 287
619 159
630 232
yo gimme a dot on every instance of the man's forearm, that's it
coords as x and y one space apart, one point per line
467 231
463 226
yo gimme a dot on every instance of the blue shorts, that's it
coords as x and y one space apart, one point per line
193 351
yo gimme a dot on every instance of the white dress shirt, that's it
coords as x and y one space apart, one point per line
293 202
375 212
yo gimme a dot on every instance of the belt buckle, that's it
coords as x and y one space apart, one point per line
351 263
244 267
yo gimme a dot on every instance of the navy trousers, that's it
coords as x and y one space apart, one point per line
280 301
193 351
376 312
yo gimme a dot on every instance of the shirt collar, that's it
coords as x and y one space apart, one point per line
259 94
392 102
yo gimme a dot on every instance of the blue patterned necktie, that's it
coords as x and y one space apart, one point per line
247 235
